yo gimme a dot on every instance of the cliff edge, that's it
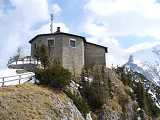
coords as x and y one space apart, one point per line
32 102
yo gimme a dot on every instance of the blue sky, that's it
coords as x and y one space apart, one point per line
124 26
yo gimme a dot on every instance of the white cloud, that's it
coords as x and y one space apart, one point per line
55 8
1 13
98 34
127 17
46 28
30 11
149 8
142 46
109 18
16 25
2 2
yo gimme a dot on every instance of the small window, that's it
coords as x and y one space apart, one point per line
51 43
72 43
35 45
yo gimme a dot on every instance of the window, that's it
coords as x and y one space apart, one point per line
35 45
51 42
72 43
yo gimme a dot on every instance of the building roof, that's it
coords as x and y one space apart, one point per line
56 33
62 33
106 48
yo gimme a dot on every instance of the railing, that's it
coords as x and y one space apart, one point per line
16 79
25 60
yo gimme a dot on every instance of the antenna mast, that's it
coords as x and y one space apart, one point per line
51 26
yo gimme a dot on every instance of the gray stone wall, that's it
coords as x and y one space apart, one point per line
94 55
55 52
73 58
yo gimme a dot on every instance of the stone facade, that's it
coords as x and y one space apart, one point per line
94 54
73 57
55 52
72 51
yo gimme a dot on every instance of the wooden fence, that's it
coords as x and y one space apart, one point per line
16 79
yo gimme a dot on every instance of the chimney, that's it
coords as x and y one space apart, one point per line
58 29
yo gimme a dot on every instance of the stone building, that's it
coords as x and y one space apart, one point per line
72 51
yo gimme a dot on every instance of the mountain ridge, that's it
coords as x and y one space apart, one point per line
151 84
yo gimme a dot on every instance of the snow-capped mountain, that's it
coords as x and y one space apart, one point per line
146 62
133 66
151 86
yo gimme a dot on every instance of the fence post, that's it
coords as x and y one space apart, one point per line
2 81
30 60
19 79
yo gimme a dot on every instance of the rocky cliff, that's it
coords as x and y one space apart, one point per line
32 102
120 99
36 102
120 106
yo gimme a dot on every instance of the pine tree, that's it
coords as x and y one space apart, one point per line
109 85
98 90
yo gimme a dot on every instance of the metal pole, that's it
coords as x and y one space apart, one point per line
51 26
19 79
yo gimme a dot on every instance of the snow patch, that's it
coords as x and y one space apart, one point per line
11 77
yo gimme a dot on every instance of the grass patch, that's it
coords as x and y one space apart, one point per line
32 102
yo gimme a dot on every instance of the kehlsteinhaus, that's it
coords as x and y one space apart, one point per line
72 51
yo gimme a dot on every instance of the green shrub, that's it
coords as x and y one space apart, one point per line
55 75
42 54
41 75
98 89
129 91
93 98
80 103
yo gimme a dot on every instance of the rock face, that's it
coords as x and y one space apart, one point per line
120 106
31 102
